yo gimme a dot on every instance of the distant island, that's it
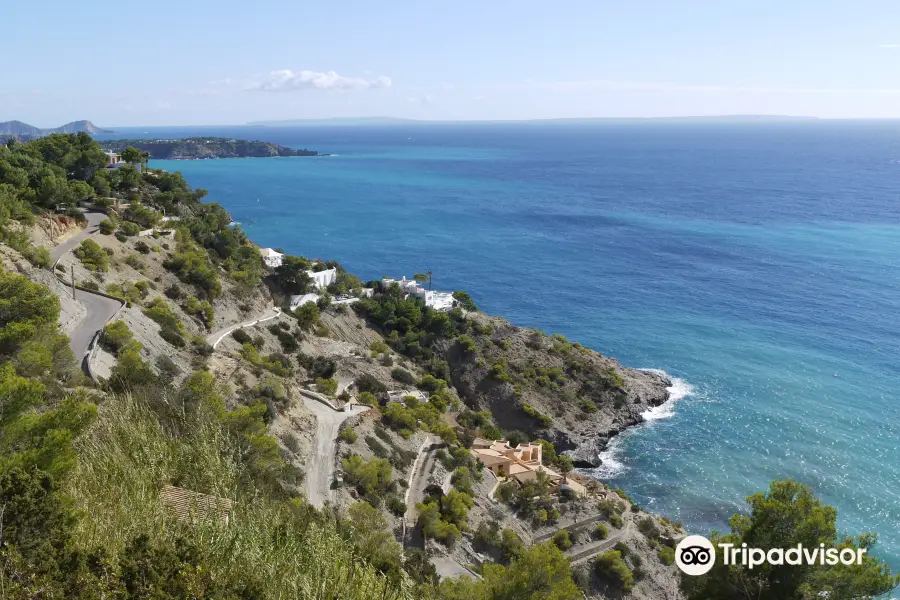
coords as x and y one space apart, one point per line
197 148
24 132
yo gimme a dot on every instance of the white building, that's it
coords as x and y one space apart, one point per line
301 299
399 395
440 301
271 258
322 279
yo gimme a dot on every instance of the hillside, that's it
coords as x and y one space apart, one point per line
194 437
200 148
21 130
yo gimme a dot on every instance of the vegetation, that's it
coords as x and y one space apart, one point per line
92 256
116 336
171 328
610 567
541 572
371 478
202 309
787 515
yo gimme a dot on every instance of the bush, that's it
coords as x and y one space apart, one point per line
241 336
107 226
348 435
610 567
648 527
327 386
142 247
370 477
467 344
403 376
92 256
562 540
666 555
116 336
367 398
173 336
129 229
38 256
202 309
601 532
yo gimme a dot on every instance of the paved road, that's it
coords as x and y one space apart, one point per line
320 469
419 478
214 338
99 308
93 219
447 567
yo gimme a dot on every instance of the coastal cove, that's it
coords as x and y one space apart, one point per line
773 311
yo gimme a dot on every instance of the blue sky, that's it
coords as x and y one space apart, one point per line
196 62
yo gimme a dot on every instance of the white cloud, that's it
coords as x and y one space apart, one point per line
287 81
889 46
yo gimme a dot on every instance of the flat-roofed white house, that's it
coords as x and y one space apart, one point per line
301 299
440 301
322 279
271 258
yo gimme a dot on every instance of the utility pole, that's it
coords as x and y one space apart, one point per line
72 271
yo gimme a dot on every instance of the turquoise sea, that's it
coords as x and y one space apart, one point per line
757 263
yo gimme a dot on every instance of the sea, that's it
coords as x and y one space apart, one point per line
756 263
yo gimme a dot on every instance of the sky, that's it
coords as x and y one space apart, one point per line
197 62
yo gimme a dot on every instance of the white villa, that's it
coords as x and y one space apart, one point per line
322 279
441 301
301 299
271 258
399 395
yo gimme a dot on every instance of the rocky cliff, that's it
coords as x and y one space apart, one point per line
550 387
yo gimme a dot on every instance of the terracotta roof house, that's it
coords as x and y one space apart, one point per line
521 464
193 506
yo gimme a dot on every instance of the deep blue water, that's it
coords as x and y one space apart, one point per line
757 263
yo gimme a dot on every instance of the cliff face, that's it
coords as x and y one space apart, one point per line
549 387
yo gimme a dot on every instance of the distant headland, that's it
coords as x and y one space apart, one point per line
198 148
24 131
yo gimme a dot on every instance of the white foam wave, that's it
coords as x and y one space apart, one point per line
611 463
677 390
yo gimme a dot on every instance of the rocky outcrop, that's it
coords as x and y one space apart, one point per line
549 387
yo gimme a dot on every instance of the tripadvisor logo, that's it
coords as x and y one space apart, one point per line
695 555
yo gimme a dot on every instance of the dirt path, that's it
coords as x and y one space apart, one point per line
580 555
214 338
418 478
320 468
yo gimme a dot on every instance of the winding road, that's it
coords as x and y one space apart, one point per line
418 478
580 555
100 309
214 338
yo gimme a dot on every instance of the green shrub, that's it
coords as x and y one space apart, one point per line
107 227
159 311
92 256
370 477
601 532
142 247
348 435
648 527
467 344
327 386
173 336
610 567
562 540
202 309
129 229
666 555
116 336
543 420
403 376
241 336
